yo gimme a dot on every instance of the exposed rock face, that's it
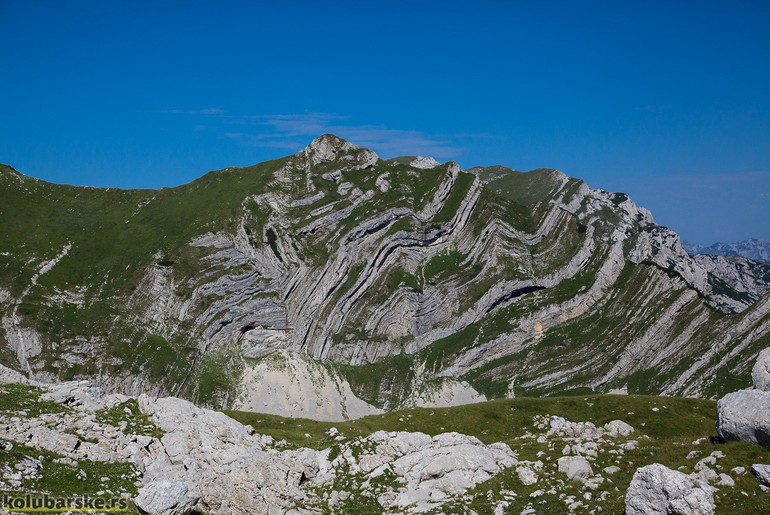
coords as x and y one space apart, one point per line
443 393
292 385
745 280
222 462
436 281
8 375
424 162
658 490
433 468
328 148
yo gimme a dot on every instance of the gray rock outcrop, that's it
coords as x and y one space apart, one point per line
208 462
745 415
431 469
760 374
424 163
762 472
166 498
658 490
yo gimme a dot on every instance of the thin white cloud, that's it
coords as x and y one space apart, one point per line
294 130
288 131
208 111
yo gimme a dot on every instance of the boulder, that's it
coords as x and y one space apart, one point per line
617 428
527 476
745 415
166 498
575 467
760 374
658 490
431 469
762 472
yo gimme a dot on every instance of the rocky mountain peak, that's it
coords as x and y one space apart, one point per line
424 163
328 147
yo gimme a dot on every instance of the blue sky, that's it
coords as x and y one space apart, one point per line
667 101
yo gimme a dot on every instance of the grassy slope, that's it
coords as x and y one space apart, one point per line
115 235
671 429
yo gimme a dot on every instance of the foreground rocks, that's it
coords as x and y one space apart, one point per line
745 415
231 469
432 469
658 490
207 462
197 460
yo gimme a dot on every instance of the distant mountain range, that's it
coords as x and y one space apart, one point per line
751 249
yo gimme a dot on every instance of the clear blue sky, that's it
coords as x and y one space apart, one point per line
667 101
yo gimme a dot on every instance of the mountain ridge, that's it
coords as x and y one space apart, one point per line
753 248
394 282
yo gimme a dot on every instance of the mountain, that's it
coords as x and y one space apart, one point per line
750 249
333 284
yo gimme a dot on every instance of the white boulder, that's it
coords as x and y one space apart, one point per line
527 476
575 467
760 374
166 498
762 472
745 415
658 490
617 428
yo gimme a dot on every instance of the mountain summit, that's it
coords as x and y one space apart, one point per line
328 148
306 287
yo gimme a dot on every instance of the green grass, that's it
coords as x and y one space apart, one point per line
84 477
525 188
15 398
129 419
507 419
218 379
399 277
441 352
393 374
456 196
443 265
671 430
